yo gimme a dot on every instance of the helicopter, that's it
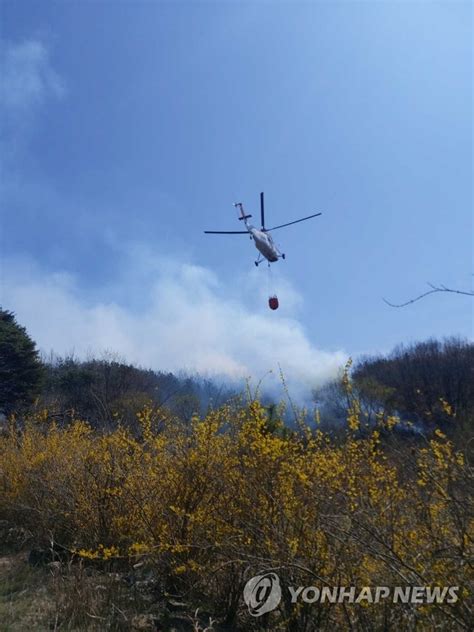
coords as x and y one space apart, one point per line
267 250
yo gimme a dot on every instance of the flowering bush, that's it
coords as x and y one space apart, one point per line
210 503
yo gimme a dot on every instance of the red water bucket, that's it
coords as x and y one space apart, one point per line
273 302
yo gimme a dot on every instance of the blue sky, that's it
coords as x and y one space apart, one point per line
129 128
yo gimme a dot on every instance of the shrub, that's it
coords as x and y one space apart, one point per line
211 503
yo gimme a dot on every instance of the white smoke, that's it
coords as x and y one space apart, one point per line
188 321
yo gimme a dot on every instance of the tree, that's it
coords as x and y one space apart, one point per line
431 381
434 290
102 391
21 370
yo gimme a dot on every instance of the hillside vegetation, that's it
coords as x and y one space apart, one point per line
131 499
198 508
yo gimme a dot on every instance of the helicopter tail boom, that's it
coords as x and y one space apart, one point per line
243 215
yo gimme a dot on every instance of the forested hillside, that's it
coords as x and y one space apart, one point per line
124 506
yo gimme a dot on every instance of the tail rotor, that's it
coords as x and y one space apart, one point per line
243 215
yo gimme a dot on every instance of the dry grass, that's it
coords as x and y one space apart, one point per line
25 602
75 597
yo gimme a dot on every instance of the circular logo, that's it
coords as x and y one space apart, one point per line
262 594
469 452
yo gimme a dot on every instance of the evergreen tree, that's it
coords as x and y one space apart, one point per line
21 370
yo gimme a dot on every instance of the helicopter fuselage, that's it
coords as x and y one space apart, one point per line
264 244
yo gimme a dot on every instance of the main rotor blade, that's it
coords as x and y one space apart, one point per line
295 222
226 232
262 210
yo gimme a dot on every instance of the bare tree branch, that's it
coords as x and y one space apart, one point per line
434 290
